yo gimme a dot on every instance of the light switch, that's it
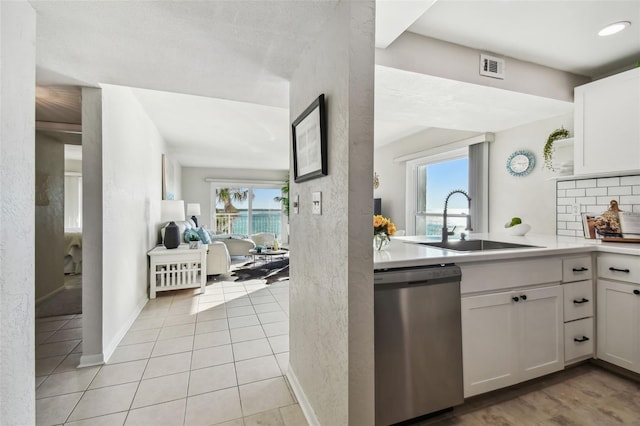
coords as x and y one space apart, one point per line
296 204
316 208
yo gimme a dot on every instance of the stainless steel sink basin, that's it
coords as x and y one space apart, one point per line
475 245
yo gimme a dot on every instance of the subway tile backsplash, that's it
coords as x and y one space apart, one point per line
593 195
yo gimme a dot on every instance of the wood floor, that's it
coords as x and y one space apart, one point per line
582 395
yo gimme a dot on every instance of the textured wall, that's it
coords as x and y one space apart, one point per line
331 286
442 59
594 196
131 189
17 181
529 197
49 215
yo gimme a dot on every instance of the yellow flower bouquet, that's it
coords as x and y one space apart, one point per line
382 229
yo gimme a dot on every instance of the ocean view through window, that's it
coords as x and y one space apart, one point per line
247 210
435 181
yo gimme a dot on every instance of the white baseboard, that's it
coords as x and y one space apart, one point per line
306 408
47 296
91 360
111 347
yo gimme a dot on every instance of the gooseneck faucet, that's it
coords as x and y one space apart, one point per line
445 230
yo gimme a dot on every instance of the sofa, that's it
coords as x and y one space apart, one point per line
237 245
218 257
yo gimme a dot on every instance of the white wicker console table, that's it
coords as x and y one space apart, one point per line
177 268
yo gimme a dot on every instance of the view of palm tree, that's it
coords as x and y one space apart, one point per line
227 196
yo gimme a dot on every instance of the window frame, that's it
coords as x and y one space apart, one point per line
412 184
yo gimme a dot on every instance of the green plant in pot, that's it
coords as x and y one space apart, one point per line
547 151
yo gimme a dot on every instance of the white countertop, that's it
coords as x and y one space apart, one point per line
405 251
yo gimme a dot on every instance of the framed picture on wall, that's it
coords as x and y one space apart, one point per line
309 133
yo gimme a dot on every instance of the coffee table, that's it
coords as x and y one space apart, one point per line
267 254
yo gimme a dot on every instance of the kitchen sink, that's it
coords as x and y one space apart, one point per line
476 245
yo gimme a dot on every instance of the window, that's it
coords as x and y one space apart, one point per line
247 210
72 201
436 178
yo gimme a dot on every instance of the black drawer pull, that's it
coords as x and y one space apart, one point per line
523 297
583 269
579 302
582 339
619 270
515 298
636 292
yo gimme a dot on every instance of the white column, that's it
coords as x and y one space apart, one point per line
17 211
331 283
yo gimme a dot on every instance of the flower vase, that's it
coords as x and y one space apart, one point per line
380 241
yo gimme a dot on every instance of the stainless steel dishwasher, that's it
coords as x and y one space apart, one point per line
418 342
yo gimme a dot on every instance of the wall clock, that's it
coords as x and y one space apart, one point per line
521 163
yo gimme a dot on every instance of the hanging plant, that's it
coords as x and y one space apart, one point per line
547 151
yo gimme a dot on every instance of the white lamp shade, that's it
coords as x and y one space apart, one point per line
193 209
171 210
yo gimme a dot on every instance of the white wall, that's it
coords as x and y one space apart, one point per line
92 232
455 62
49 227
331 283
17 183
196 190
531 197
132 187
393 180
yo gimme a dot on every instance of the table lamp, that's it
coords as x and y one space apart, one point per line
193 210
170 211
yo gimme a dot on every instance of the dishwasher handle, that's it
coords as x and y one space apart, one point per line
418 276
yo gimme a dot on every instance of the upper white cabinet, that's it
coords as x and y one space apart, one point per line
607 124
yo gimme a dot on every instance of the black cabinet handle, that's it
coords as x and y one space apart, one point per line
619 270
523 297
580 340
579 302
583 269
636 292
515 298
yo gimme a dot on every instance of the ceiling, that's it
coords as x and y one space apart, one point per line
226 65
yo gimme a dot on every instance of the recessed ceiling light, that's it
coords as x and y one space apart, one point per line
613 28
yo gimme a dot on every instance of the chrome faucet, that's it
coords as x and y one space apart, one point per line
445 229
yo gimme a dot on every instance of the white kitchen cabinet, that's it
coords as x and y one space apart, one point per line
618 307
577 278
618 323
606 125
509 337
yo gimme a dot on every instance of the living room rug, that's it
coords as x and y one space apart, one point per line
271 272
65 302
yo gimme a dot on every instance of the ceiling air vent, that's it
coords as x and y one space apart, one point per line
491 66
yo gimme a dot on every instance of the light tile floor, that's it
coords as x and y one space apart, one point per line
188 359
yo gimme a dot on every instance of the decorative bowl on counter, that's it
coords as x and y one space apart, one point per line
519 230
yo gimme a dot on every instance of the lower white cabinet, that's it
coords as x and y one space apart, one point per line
618 323
509 337
578 339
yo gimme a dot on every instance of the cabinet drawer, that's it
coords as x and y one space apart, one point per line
619 267
578 339
578 300
576 269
